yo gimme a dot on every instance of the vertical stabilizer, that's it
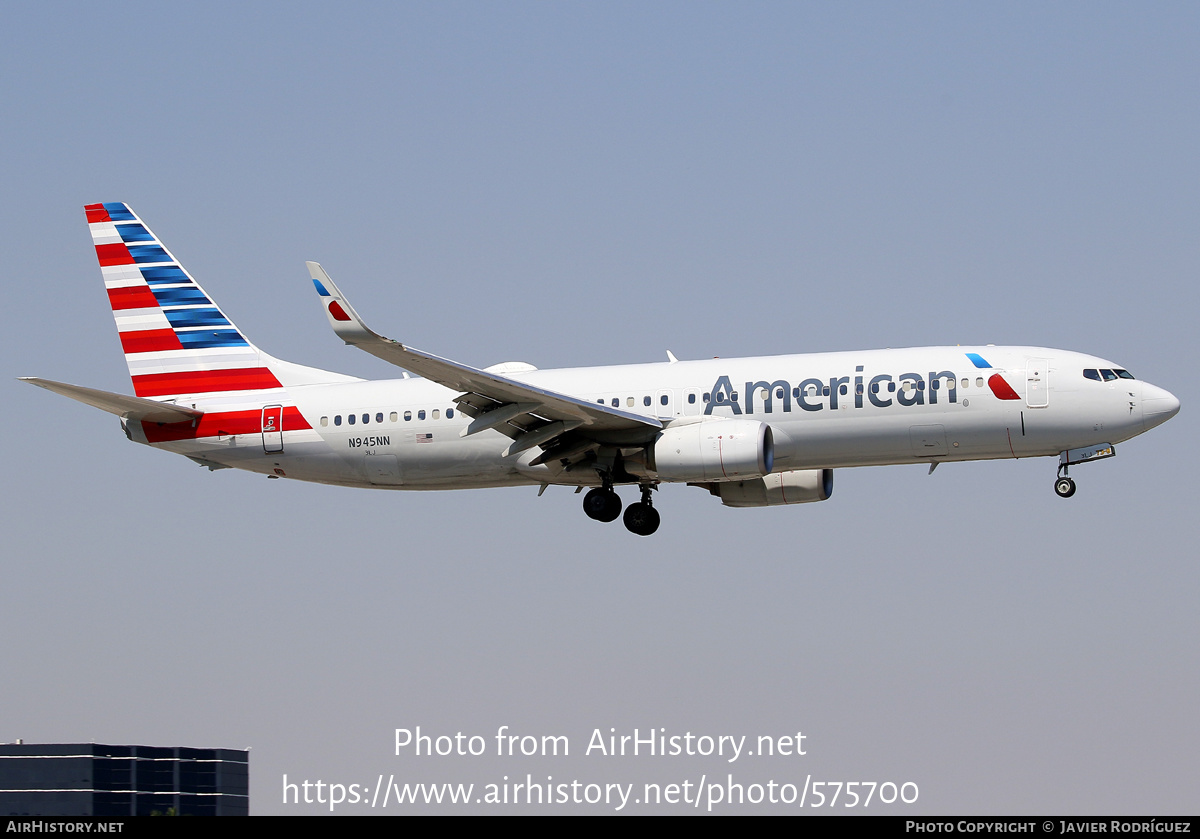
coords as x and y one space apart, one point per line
177 342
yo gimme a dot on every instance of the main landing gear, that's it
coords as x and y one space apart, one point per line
603 504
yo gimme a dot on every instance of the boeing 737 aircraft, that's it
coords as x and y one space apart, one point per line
754 432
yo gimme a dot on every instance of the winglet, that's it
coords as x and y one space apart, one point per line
346 322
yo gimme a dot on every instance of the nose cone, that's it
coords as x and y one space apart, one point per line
1158 405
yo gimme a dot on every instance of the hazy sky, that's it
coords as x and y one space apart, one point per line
570 184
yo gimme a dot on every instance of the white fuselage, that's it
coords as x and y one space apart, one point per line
825 410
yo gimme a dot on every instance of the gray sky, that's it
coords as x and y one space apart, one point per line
572 184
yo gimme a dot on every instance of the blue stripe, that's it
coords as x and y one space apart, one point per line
320 288
211 338
165 274
134 233
977 359
196 317
190 296
119 212
148 253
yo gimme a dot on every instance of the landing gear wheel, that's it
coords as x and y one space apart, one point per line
602 504
1065 487
641 518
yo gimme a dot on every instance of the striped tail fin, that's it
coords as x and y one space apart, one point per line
177 342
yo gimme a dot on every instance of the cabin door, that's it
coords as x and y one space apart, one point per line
272 429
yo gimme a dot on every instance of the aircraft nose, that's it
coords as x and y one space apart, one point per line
1158 405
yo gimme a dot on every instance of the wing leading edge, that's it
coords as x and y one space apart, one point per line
530 415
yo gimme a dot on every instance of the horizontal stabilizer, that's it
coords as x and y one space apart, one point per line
126 407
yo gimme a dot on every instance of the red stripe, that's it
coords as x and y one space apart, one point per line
96 212
115 254
225 423
1001 388
150 340
204 381
132 297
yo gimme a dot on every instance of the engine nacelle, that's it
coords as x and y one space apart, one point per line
799 486
714 450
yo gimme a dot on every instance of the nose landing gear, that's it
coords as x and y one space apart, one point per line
1064 486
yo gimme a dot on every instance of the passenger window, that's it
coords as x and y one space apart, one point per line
796 392
874 387
706 397
691 399
646 401
1094 375
778 393
908 385
628 401
891 387
979 382
936 384
407 416
379 418
324 421
825 390
966 383
420 415
600 401
858 388
616 403
921 385
337 420
449 413
366 418
437 414
734 396
350 418
663 399
393 416
843 390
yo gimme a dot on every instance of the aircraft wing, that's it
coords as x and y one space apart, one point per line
495 401
126 407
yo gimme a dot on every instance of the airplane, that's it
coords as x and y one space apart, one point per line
754 432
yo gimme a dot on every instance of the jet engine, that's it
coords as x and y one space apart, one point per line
714 450
799 486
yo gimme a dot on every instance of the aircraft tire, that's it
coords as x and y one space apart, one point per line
602 504
641 519
1065 487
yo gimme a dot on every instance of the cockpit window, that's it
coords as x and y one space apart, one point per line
1092 374
1124 374
1109 375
